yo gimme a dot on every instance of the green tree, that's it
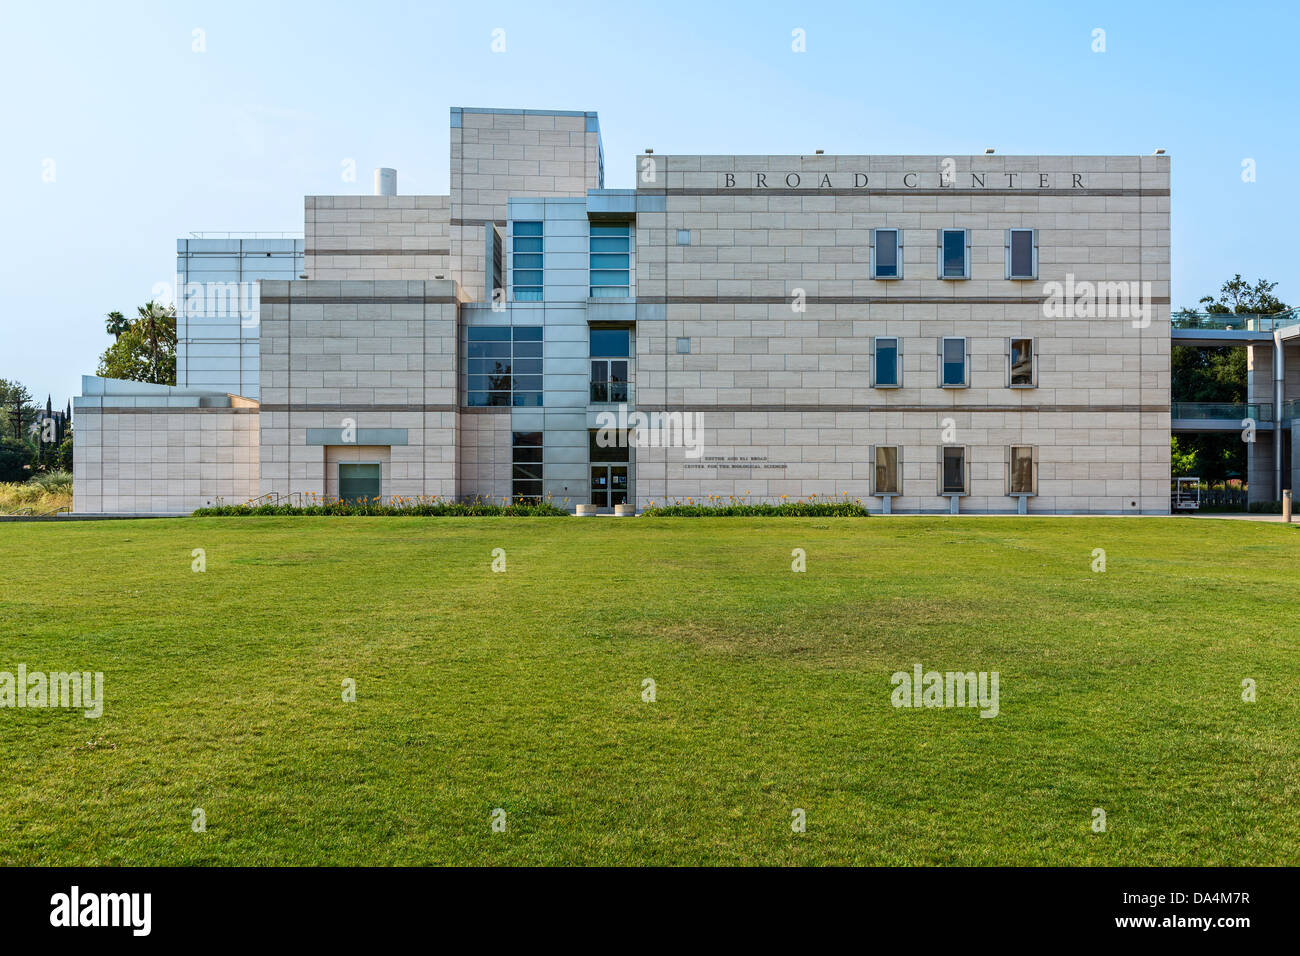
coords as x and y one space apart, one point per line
62 459
17 412
146 350
15 459
1182 461
1239 297
115 323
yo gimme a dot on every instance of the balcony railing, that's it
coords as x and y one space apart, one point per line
1228 411
611 393
1235 322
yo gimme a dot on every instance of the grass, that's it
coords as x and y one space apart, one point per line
522 690
42 493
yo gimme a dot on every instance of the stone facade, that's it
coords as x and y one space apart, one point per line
163 461
751 301
794 389
366 356
377 237
500 154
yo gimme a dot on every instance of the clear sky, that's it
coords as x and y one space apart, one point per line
150 139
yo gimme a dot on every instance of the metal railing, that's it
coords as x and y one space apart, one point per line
275 498
611 393
1205 411
1235 321
245 235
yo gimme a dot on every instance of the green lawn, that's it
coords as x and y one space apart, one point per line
522 691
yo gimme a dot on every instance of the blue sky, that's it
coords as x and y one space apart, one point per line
151 140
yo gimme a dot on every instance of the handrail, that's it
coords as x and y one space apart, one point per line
1235 321
1236 411
275 498
237 234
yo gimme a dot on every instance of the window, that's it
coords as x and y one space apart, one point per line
1022 253
611 257
886 254
889 480
1021 474
886 365
527 262
495 266
610 351
683 237
503 366
952 363
526 465
683 346
952 470
1021 363
954 254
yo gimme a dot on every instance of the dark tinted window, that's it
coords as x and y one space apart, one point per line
1022 253
954 361
953 470
954 253
886 252
607 343
886 361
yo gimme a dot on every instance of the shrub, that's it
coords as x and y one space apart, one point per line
732 507
43 493
399 506
1265 507
53 482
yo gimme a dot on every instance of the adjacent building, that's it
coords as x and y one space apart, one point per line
924 333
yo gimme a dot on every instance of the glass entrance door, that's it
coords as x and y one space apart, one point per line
359 480
608 485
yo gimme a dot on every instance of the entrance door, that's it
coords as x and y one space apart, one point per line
608 485
358 480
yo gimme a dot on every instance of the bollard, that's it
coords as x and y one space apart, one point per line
1286 505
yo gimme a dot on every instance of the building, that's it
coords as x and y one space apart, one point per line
980 334
1268 420
217 305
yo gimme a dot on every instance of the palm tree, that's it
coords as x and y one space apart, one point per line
116 324
152 323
